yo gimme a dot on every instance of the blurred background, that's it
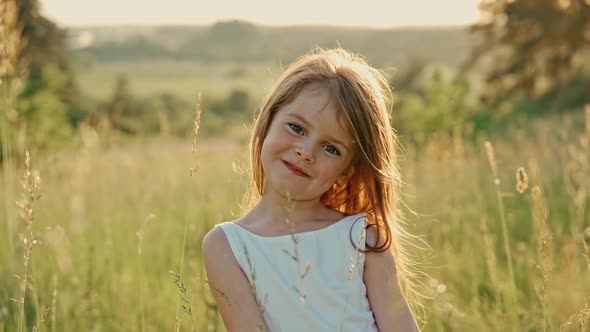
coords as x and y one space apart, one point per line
101 103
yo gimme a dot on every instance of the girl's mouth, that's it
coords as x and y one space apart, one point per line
296 170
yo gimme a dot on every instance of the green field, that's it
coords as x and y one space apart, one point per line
112 222
181 78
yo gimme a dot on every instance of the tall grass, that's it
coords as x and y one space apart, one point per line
97 257
479 228
10 81
506 256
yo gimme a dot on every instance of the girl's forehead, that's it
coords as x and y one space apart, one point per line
314 99
316 105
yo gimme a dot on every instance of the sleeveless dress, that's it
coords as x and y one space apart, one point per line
312 281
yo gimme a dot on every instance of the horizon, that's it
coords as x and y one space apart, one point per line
377 14
164 24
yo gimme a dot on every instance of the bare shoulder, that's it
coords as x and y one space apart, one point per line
378 261
214 241
218 256
229 285
387 301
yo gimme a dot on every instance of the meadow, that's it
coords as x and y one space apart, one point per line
180 78
118 230
105 233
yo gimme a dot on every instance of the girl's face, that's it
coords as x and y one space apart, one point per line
307 148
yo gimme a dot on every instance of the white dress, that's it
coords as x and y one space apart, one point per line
313 283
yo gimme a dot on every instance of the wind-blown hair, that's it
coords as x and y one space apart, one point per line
363 96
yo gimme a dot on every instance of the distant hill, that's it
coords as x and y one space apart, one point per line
243 42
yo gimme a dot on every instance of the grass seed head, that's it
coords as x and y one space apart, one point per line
522 180
197 123
536 192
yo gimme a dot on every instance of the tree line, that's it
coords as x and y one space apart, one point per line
530 55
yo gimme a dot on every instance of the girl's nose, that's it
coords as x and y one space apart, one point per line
305 153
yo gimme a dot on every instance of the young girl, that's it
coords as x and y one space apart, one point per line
321 247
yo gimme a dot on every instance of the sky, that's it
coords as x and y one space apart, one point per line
369 13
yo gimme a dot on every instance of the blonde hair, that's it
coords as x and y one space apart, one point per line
364 97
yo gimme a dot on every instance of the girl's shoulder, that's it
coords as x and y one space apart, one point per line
228 283
215 241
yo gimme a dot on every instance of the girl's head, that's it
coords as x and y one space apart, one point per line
339 89
329 115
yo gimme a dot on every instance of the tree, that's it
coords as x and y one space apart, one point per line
530 45
48 104
44 105
120 106
44 43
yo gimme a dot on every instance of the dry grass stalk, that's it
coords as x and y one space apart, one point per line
545 240
197 122
30 183
545 251
305 270
196 126
140 267
180 274
493 166
260 303
295 254
53 302
186 304
357 258
586 248
579 316
41 320
218 291
492 160
11 45
10 39
491 260
587 111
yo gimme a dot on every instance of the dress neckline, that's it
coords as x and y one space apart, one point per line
315 231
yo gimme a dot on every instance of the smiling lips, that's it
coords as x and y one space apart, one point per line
296 170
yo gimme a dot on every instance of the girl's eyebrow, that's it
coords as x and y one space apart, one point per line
307 123
300 118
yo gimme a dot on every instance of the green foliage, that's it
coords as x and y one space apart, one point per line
441 108
223 114
167 114
46 106
128 50
43 113
163 114
237 103
531 44
120 106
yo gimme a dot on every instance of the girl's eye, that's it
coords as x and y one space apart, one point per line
296 128
332 149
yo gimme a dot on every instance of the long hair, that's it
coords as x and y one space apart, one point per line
363 96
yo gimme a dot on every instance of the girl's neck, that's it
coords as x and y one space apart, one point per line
280 209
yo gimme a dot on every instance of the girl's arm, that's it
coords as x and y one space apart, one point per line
389 306
229 285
